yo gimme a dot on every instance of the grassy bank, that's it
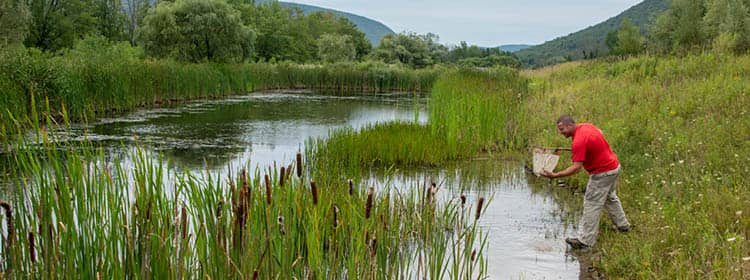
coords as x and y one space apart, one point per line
680 127
71 211
96 79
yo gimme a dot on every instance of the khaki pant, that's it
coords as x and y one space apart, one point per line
600 192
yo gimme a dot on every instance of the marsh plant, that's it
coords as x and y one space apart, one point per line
70 211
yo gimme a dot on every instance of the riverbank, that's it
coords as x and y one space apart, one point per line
88 82
678 124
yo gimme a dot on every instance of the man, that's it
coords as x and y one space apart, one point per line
592 152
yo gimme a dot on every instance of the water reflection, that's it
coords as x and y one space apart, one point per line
260 128
526 226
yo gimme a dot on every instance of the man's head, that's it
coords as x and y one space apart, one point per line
566 125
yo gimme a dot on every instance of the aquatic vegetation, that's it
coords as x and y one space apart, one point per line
70 211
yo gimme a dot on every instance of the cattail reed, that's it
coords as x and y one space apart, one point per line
368 205
374 247
479 208
473 255
281 176
268 189
183 222
289 171
314 192
32 247
299 165
351 187
463 200
280 222
335 216
255 274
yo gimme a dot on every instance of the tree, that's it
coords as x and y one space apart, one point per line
679 28
14 21
111 19
408 48
726 24
629 39
196 30
135 11
336 48
57 24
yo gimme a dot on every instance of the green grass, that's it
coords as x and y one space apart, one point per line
680 128
70 211
470 112
97 79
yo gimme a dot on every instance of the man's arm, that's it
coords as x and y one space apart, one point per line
573 169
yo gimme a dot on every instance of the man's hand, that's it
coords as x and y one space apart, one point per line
549 174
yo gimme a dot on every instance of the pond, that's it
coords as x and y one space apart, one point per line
525 225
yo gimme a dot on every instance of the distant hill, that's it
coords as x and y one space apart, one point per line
591 39
514 48
374 30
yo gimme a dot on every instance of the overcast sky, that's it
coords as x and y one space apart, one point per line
484 22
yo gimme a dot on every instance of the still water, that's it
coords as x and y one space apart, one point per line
525 225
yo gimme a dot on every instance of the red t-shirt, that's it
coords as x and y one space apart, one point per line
590 147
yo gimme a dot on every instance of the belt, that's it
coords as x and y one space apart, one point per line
607 173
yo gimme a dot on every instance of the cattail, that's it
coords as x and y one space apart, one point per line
268 189
351 187
479 208
32 247
243 178
218 210
368 205
314 191
299 165
463 200
289 171
280 222
255 274
374 247
183 222
473 255
335 216
281 176
9 219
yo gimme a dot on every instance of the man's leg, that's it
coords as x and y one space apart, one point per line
597 192
614 208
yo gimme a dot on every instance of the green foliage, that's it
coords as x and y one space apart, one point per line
196 30
474 110
110 19
135 11
470 111
97 78
728 23
629 39
411 49
56 25
474 56
14 22
679 28
86 215
334 48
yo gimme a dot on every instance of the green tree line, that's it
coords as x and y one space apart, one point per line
227 31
